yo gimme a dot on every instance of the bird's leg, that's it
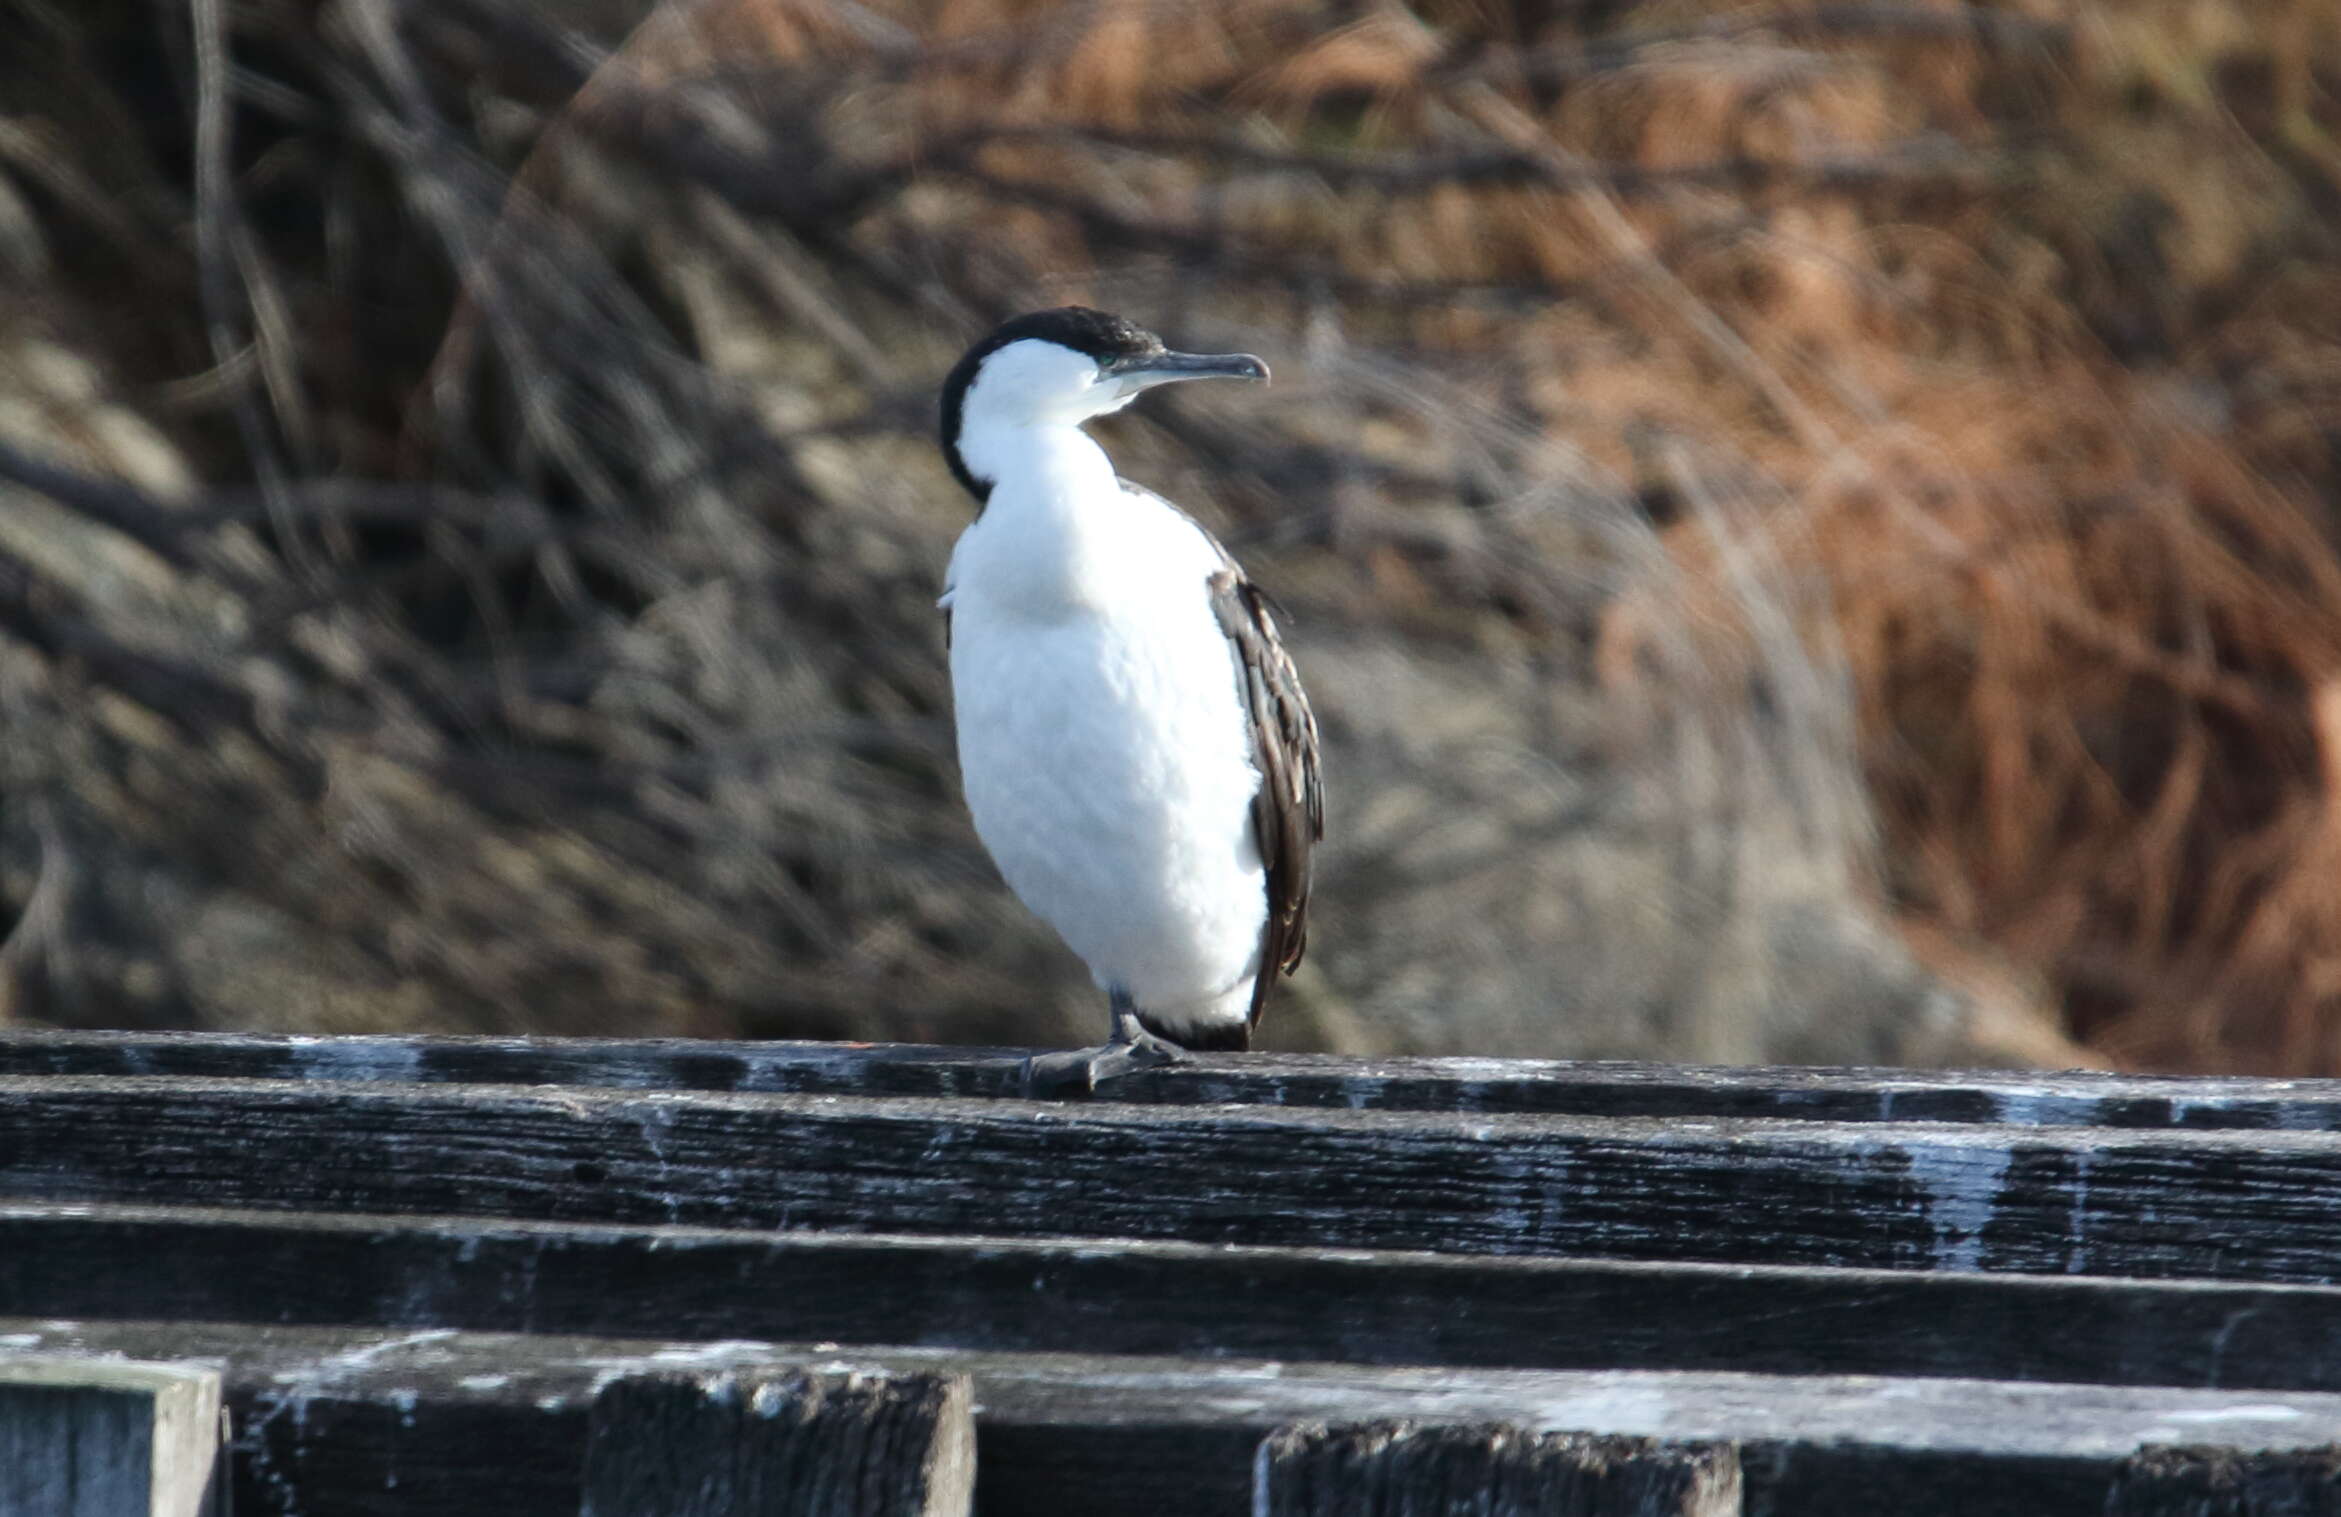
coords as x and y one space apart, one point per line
1079 1071
1140 1049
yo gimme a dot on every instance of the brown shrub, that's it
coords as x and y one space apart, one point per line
1798 461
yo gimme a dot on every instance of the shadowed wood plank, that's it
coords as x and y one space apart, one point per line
1134 1297
493 1425
2197 1481
86 1437
2072 1098
2032 1200
1399 1469
780 1443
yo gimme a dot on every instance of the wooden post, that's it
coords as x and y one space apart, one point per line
781 1443
2227 1482
109 1438
1401 1469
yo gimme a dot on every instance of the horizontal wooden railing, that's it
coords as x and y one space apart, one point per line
2078 1098
1274 1284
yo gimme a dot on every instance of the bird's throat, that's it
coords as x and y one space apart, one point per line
1058 533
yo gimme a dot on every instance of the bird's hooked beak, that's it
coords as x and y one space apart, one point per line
1144 371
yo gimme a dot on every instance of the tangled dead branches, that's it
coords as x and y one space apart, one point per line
468 534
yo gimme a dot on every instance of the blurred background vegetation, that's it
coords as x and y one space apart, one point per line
1811 527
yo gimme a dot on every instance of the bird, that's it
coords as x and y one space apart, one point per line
1135 747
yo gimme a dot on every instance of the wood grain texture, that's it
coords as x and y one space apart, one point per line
86 1437
373 1424
2194 1481
1162 1298
1648 1266
2158 1204
1403 1469
780 1443
1482 1086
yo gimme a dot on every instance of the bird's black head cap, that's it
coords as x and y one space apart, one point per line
1100 334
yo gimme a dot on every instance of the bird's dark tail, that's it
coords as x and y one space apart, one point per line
1204 1037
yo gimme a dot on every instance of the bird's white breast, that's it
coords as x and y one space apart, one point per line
1102 740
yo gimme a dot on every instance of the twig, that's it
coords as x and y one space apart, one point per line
218 249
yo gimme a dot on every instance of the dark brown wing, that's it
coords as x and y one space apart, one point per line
1288 814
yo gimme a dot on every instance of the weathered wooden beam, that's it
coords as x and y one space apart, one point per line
2079 1098
75 1259
2223 1205
780 1443
493 1425
89 1437
1404 1469
2198 1481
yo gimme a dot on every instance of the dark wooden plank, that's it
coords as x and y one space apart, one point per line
1405 1469
87 1437
376 1424
780 1443
1134 1297
2198 1481
2222 1205
2072 1098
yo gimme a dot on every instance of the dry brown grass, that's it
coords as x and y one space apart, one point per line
2065 455
1800 460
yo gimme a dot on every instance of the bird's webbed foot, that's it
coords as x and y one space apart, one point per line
1078 1072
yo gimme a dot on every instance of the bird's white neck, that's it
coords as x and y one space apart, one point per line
1046 465
1057 534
